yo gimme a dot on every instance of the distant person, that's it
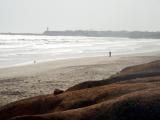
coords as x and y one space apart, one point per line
34 62
110 53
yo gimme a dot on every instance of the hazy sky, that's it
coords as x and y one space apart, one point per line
36 15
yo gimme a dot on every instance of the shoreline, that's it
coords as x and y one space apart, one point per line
25 70
38 79
30 63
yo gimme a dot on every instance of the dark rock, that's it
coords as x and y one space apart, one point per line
58 91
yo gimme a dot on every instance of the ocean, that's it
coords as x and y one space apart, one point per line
25 49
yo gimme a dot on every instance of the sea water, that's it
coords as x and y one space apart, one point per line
25 49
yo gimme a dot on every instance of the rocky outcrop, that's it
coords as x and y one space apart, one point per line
131 94
58 91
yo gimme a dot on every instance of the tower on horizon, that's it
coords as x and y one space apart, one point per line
47 29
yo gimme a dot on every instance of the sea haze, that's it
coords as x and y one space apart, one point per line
21 49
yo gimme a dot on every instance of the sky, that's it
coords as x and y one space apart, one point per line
36 15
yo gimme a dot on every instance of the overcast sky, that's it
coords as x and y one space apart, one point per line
36 15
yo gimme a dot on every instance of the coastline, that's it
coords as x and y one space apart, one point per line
42 78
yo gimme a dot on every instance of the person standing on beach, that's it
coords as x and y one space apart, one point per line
110 53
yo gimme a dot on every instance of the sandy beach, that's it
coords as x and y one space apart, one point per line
42 78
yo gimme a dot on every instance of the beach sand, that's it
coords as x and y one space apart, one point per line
42 78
